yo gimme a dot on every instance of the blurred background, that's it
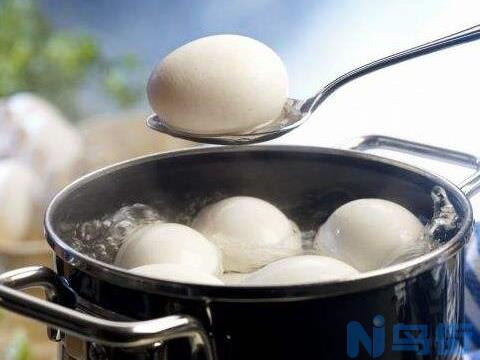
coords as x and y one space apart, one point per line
72 99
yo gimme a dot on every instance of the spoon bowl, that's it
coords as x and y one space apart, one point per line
296 112
293 115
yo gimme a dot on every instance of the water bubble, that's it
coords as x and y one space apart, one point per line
102 238
440 228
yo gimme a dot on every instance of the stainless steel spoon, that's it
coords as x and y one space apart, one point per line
296 112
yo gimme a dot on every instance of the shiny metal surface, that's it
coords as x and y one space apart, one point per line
36 276
469 186
296 112
366 281
88 327
220 300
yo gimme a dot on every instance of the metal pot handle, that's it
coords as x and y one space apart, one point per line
469 186
91 328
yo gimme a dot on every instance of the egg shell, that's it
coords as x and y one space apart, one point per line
301 269
48 142
369 233
161 243
17 197
233 278
250 232
177 273
221 84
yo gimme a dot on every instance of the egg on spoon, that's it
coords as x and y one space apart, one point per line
249 231
301 269
221 84
177 273
169 243
369 233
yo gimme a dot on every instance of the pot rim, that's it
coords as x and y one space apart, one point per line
366 281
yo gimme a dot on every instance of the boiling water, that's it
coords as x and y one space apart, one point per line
102 238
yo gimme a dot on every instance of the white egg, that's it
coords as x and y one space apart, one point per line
177 273
16 199
51 145
219 84
369 233
301 269
250 232
161 243
233 278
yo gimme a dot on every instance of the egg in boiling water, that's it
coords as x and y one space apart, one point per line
250 232
233 278
161 243
177 273
301 269
369 233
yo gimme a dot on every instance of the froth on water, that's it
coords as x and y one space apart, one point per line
102 238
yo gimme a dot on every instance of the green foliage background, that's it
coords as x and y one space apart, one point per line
35 57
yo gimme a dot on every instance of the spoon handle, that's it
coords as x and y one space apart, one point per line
460 37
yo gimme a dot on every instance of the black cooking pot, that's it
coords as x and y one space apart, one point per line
99 311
